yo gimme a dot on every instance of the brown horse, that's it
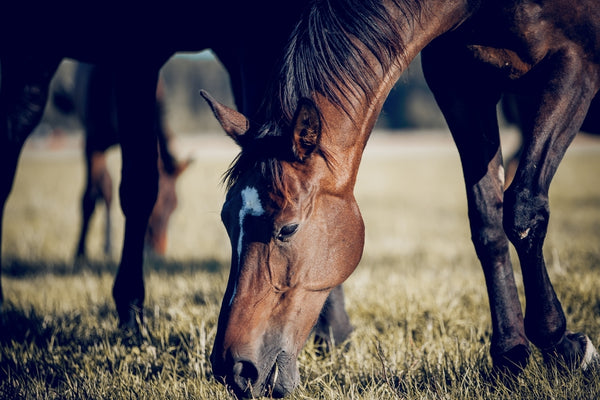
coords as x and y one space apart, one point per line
93 103
294 225
133 45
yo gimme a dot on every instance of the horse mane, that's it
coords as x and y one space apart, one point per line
325 55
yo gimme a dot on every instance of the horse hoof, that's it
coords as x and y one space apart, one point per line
574 351
591 358
324 345
131 324
514 361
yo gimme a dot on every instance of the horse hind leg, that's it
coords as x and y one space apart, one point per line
559 114
23 92
105 187
98 186
88 205
107 195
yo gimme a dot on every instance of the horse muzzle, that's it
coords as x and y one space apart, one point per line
274 377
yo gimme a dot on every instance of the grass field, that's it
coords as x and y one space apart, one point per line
417 299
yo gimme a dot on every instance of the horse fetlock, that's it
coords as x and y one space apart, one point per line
573 351
513 360
130 310
546 329
131 321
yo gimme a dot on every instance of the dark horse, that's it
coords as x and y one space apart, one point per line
295 228
133 44
518 108
93 102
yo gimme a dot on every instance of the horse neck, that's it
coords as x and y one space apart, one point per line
346 131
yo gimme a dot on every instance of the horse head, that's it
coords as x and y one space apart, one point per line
166 202
294 234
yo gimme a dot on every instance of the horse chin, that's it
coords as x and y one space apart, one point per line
279 382
284 376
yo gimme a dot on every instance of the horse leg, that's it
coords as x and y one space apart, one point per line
333 326
106 189
136 103
558 115
98 185
467 98
88 204
23 93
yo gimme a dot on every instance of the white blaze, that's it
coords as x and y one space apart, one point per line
251 205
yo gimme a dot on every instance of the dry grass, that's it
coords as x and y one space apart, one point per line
417 300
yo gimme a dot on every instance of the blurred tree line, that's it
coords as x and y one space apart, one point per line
410 104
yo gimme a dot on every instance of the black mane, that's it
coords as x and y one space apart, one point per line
325 55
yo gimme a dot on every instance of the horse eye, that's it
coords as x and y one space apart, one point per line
286 232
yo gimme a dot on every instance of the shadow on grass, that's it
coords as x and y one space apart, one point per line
26 325
19 325
52 350
22 269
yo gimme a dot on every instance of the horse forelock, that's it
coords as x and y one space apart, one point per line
263 154
325 53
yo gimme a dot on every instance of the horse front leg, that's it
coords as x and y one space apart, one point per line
468 98
24 86
135 101
333 326
552 126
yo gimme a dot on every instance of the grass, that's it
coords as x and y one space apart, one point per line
417 300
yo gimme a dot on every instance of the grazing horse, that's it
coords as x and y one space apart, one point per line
133 44
295 228
93 102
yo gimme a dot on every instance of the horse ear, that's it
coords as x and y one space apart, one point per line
307 129
234 123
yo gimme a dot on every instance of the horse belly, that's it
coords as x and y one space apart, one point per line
507 61
514 37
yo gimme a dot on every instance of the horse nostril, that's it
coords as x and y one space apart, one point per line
245 374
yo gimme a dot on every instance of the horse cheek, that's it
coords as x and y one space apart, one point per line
349 240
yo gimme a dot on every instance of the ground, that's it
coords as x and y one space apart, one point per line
417 299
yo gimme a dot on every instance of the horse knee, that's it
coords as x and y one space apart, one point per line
526 218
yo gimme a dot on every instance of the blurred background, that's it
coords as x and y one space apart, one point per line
410 105
410 124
